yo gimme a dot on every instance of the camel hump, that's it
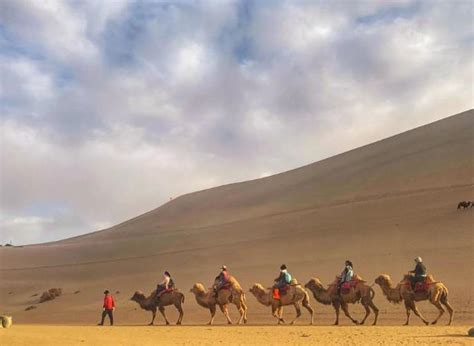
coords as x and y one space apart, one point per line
429 278
357 277
294 282
406 278
235 284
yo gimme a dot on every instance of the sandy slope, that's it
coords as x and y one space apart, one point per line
133 335
380 205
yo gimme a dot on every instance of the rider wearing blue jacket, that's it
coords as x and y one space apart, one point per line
284 278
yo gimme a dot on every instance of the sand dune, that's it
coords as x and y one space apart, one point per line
379 205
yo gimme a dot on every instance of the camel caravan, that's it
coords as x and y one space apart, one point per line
348 288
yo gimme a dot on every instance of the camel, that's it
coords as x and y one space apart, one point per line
437 294
294 296
207 299
360 293
465 204
150 303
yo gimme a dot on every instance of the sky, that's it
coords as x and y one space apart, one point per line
111 108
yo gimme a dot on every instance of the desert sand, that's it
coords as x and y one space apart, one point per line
267 335
380 205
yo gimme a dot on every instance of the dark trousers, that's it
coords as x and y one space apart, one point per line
159 289
111 316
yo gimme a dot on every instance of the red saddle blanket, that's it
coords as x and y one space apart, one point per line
421 286
346 286
352 283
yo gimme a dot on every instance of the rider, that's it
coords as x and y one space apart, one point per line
221 280
346 275
283 279
164 285
419 274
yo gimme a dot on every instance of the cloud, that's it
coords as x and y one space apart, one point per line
110 108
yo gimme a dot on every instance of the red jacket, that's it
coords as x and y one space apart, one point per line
109 303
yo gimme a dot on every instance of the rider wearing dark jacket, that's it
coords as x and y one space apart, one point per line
419 272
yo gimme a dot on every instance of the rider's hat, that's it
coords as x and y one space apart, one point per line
224 267
418 259
283 267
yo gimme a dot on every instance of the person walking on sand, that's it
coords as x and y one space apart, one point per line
108 308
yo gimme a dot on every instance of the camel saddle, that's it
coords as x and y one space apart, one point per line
348 285
169 290
226 286
420 286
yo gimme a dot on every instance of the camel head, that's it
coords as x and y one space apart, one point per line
383 280
138 296
198 288
257 289
314 283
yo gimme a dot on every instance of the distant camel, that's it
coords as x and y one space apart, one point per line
150 303
295 296
437 294
465 204
361 293
207 299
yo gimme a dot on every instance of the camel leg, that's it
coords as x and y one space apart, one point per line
242 315
444 301
277 312
440 309
225 311
162 310
298 312
181 313
244 307
212 309
375 310
240 309
418 313
367 313
310 310
345 308
407 308
153 312
337 308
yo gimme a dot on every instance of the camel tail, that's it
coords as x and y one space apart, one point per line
306 297
444 294
182 298
441 294
372 293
